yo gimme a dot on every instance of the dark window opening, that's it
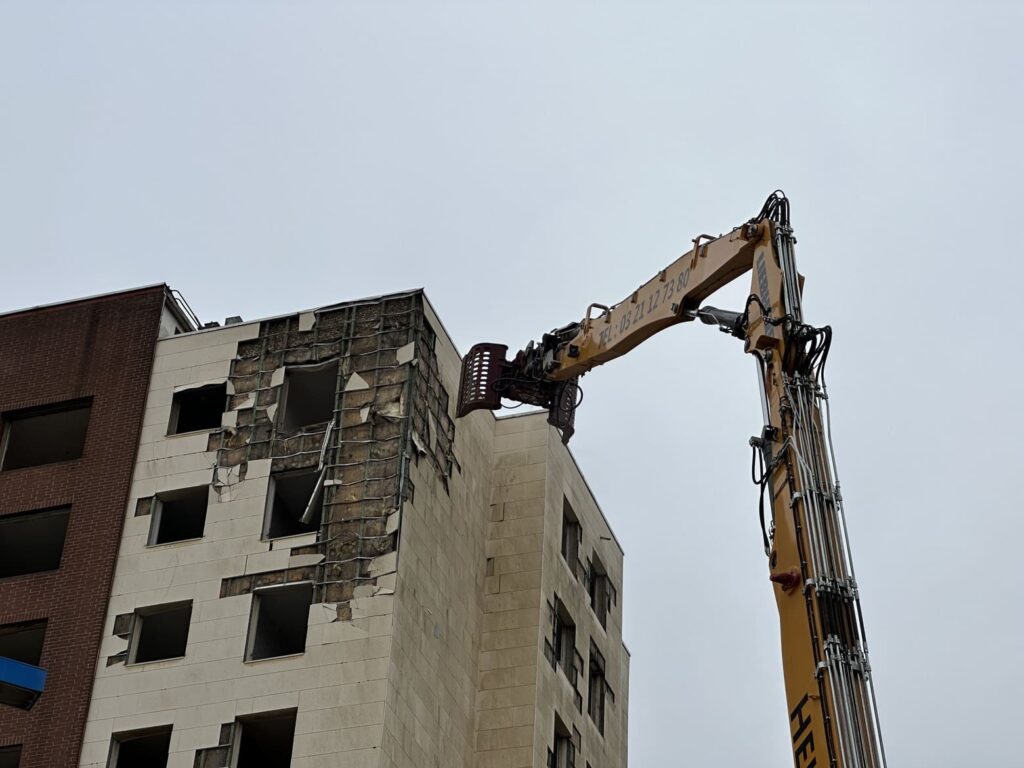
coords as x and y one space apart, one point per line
160 632
178 515
561 646
265 740
563 751
45 435
140 749
10 757
23 642
197 409
32 542
308 396
600 593
564 639
277 624
597 688
294 504
572 535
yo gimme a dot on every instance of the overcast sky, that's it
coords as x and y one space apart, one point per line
521 160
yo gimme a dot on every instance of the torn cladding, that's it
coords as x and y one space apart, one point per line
384 410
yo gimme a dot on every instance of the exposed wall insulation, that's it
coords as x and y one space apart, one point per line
390 409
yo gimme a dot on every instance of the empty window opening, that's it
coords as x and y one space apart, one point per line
597 688
277 624
600 593
572 534
44 435
178 515
160 632
308 396
265 740
10 757
23 642
31 542
197 409
563 751
140 749
294 504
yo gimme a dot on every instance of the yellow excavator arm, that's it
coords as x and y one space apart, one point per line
671 297
831 704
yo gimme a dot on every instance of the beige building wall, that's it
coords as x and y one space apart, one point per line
433 674
565 484
521 691
440 662
338 685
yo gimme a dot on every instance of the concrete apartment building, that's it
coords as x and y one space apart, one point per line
318 566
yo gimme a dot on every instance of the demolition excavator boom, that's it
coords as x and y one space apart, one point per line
831 704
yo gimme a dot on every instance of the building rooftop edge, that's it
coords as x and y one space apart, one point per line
322 307
83 299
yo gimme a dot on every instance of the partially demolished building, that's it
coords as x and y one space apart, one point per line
319 567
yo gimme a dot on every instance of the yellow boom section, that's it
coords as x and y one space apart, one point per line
666 299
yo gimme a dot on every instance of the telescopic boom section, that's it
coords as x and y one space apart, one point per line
831 705
670 297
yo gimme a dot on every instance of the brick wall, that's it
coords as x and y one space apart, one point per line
100 348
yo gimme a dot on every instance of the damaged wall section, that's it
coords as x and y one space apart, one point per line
390 409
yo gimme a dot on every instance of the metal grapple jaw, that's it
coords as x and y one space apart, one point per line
487 378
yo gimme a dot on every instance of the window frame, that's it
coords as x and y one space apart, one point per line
564 748
114 752
597 682
11 749
30 625
9 418
238 729
281 417
60 511
254 612
599 590
268 510
172 422
156 511
569 545
139 616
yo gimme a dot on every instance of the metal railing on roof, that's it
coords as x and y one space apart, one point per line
186 310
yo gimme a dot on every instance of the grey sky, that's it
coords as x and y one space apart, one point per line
522 160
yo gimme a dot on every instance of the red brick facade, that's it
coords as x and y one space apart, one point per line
101 348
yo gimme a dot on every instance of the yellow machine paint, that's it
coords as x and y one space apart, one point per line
832 714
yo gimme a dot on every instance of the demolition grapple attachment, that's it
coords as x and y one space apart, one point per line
488 378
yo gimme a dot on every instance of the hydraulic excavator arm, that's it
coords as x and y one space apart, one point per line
831 704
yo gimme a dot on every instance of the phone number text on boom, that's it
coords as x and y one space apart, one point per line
632 315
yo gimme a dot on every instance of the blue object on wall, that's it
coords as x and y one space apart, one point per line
20 684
